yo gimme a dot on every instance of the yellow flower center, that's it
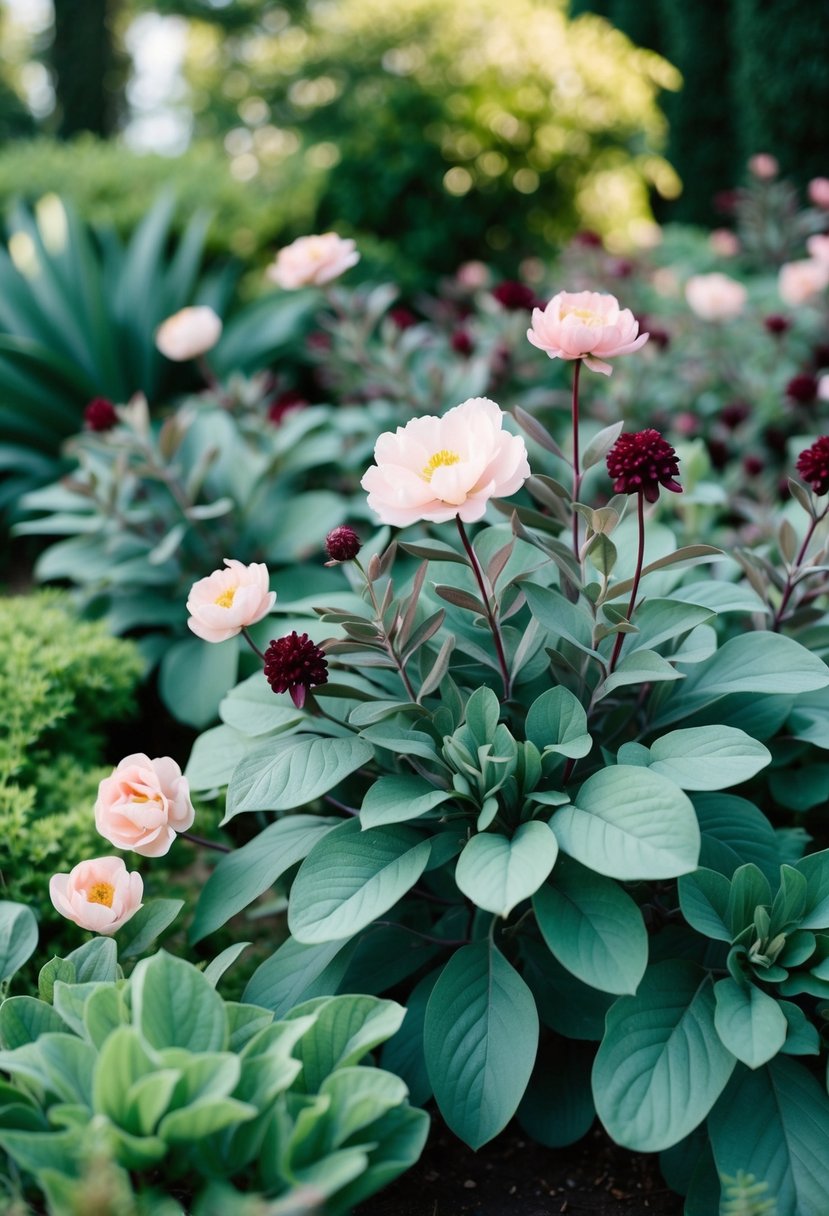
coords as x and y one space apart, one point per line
225 600
101 893
440 459
584 315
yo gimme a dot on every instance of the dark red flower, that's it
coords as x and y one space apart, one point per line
726 201
775 324
100 415
718 453
588 239
621 268
802 388
342 544
813 465
820 354
294 664
284 404
753 465
514 296
319 342
734 413
643 461
402 317
461 343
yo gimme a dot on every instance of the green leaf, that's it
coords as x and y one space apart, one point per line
296 972
123 1059
214 756
397 799
204 1118
351 877
572 622
557 1109
659 621
593 928
497 872
346 1028
750 1023
480 1038
815 869
149 922
243 875
749 889
96 961
24 1018
640 667
194 677
661 1066
175 1006
708 757
217 966
253 709
403 1053
774 1124
630 823
703 898
18 937
287 773
557 723
734 832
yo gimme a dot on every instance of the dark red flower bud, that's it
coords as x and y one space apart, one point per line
802 388
775 324
588 239
402 317
284 404
726 201
813 465
294 664
100 415
318 341
621 268
342 544
820 354
753 465
462 343
718 453
734 413
514 297
643 461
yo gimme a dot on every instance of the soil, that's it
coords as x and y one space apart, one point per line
513 1176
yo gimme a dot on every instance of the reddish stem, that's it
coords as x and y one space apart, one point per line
634 591
789 588
576 458
493 624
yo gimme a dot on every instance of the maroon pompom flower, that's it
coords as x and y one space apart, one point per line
588 239
294 664
402 317
753 465
813 465
100 415
462 343
514 296
802 388
777 324
284 404
342 544
734 413
643 461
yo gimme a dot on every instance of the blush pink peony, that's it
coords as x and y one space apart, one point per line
799 282
818 247
586 325
227 601
188 333
438 468
715 297
143 804
763 166
819 192
100 894
313 260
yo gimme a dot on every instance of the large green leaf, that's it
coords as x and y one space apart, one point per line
398 798
557 1108
707 757
18 937
661 1065
296 972
215 755
734 832
195 676
346 1028
750 1023
774 1124
286 773
253 709
556 722
351 877
630 823
175 1006
497 872
480 1038
593 928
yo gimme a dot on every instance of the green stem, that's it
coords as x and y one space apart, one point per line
493 623
634 591
576 457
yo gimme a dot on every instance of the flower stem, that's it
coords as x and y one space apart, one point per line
204 843
576 457
388 645
493 623
790 581
252 644
634 591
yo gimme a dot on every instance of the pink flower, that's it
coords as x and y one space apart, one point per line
99 895
715 297
188 333
143 804
819 192
312 261
763 166
586 325
799 282
227 601
818 247
823 388
724 242
438 468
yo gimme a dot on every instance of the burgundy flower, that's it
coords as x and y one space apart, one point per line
753 465
284 404
802 388
588 239
643 461
820 354
461 343
294 664
718 453
514 296
342 544
402 317
726 201
776 324
813 465
100 415
734 413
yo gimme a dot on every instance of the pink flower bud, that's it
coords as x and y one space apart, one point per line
227 601
763 166
819 192
188 334
99 894
312 260
142 805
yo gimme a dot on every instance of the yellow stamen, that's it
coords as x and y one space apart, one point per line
101 893
584 315
439 460
225 600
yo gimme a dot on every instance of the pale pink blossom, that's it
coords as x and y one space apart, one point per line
474 275
438 468
818 247
819 192
143 804
715 297
724 242
100 894
823 388
799 282
586 325
227 601
764 166
188 333
312 260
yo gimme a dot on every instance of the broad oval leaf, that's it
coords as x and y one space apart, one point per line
286 773
556 722
708 757
497 872
661 1066
175 1006
351 877
750 1023
630 823
18 937
480 1038
395 799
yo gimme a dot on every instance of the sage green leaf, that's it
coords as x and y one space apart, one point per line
243 875
815 868
749 890
703 898
252 709
351 877
556 722
661 1065
141 930
802 1038
217 966
346 1028
573 622
630 823
68 1062
497 872
593 928
215 755
659 621
104 1011
480 1038
400 1137
148 1099
173 1005
359 1097
403 1053
286 773
195 676
96 961
18 937
43 1151
396 799
557 1108
640 667
204 1118
122 1060
750 1023
296 972
24 1018
734 831
708 757
774 1124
